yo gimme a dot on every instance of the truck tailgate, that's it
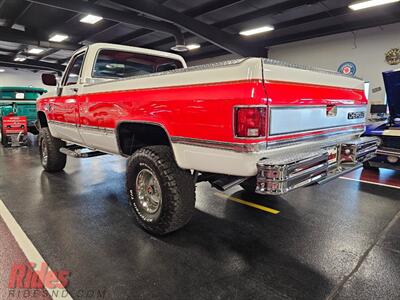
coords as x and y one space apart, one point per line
308 102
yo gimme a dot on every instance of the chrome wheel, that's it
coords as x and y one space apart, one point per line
148 192
45 153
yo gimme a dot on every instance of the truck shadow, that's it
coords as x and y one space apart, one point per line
245 256
240 252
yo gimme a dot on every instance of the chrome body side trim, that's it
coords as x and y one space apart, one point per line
95 128
257 147
237 147
88 127
264 146
71 125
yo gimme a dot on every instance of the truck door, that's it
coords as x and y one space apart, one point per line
65 110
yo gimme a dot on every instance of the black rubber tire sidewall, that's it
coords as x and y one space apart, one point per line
177 188
56 160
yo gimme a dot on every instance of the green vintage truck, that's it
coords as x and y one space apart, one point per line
21 101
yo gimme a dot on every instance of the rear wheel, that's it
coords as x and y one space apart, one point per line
162 195
49 147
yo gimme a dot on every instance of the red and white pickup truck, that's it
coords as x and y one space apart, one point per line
269 126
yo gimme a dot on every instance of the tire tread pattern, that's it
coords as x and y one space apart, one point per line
56 160
177 186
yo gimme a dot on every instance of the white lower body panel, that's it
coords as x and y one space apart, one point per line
207 159
92 137
201 158
216 160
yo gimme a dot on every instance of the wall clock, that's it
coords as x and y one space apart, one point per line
393 56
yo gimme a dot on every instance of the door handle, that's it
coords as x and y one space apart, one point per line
75 90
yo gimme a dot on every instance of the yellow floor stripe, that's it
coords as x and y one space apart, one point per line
251 204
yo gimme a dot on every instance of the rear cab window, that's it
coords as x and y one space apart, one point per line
114 64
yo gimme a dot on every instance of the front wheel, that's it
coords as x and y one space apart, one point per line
49 148
162 195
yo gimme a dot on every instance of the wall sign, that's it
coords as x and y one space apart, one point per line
348 68
393 56
377 89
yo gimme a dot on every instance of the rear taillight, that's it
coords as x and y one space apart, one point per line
250 122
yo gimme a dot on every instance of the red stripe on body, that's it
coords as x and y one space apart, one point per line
203 111
293 94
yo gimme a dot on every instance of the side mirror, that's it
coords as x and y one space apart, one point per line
49 79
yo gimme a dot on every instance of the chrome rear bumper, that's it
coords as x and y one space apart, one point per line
278 176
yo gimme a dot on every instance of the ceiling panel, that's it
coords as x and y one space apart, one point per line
299 19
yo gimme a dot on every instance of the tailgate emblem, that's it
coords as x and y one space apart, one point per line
356 115
331 111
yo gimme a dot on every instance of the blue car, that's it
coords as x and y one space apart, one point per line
387 129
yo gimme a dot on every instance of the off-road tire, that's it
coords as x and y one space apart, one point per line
55 159
177 190
249 185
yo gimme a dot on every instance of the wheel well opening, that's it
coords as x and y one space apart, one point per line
42 119
132 136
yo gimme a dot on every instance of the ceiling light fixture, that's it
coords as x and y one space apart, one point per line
2 70
193 46
184 48
179 48
257 30
20 59
370 3
35 51
91 19
58 38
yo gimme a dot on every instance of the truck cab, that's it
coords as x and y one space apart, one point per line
92 66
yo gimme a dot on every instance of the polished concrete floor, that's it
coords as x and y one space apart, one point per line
336 241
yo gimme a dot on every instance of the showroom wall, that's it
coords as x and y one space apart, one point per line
12 77
366 48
